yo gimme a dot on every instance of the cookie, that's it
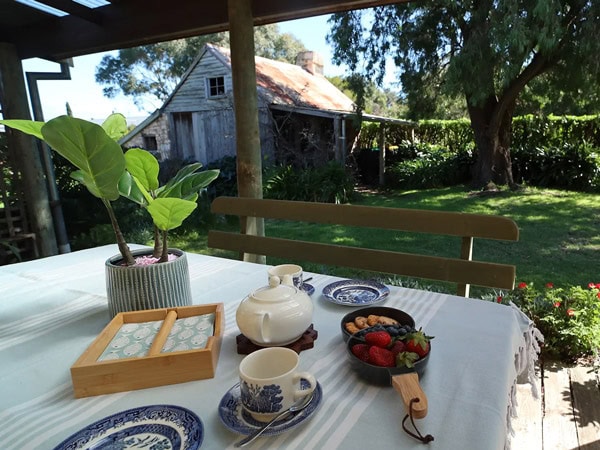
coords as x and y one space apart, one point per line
383 320
361 322
372 320
351 327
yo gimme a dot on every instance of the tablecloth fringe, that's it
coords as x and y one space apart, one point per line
525 360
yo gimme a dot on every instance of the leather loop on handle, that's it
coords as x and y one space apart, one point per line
407 385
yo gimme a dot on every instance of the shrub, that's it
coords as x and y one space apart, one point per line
569 318
328 184
226 183
433 167
573 165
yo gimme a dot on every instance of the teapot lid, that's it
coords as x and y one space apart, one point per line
275 291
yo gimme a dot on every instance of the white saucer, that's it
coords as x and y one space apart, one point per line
237 419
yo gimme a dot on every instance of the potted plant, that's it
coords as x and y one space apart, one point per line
108 173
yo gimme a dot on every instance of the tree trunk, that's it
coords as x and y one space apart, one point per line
493 165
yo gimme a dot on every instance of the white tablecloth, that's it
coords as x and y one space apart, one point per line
53 308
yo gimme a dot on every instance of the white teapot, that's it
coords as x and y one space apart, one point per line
275 315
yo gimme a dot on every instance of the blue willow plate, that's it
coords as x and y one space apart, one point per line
237 419
148 427
355 292
308 288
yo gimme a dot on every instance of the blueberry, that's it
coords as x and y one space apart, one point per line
393 331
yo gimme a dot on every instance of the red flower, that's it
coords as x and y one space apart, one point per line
557 304
597 285
549 285
598 295
570 312
522 285
592 285
499 299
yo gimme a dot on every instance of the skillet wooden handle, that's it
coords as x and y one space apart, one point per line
407 385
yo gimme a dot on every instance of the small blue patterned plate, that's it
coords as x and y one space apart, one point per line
355 292
237 419
308 288
156 426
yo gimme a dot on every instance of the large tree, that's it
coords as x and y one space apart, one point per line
151 72
487 51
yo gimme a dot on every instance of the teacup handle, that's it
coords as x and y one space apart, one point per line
287 280
304 392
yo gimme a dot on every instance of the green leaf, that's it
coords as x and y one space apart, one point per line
147 196
187 187
169 213
84 178
115 126
144 167
129 189
180 175
88 147
26 126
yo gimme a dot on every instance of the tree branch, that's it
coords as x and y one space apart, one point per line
538 65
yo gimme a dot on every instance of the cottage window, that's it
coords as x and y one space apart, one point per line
150 142
215 86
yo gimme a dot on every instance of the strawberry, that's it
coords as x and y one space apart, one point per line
397 347
361 351
407 359
418 343
378 338
381 357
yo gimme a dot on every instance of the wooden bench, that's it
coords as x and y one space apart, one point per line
16 244
462 270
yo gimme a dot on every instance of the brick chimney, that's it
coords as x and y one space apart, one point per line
312 62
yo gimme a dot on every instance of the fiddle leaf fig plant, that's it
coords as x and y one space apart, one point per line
168 205
108 173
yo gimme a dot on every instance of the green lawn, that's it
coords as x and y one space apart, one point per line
559 234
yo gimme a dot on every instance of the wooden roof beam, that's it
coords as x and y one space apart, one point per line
137 22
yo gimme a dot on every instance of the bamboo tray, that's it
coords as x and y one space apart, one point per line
93 377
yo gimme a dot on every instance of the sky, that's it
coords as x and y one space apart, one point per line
87 101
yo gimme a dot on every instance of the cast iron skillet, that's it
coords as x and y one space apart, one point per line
404 380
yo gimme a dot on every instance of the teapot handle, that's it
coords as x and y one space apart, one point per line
263 328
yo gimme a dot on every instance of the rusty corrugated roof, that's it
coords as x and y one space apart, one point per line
288 84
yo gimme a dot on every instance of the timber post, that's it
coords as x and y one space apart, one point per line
382 154
24 152
245 101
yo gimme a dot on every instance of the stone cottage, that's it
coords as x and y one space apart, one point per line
304 119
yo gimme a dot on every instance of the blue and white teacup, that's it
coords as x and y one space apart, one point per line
270 382
290 274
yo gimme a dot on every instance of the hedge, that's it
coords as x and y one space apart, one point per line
554 151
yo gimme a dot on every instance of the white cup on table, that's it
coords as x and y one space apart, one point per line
270 382
290 274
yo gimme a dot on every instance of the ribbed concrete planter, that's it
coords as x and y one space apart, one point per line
147 287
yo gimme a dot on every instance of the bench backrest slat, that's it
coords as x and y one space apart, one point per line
463 270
